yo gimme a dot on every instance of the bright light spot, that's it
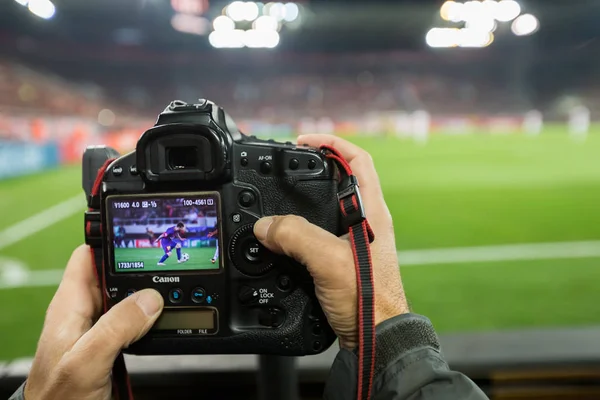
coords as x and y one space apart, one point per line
278 11
472 10
291 12
106 117
250 11
22 2
236 11
227 39
484 23
452 37
261 39
490 7
42 8
266 23
507 10
223 23
525 25
474 38
447 9
190 24
442 37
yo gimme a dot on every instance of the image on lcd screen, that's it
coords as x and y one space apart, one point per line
158 234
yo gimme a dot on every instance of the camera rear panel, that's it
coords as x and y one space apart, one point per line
253 301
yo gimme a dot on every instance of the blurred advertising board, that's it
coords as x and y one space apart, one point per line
22 158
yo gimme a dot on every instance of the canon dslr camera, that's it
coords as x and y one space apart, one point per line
177 215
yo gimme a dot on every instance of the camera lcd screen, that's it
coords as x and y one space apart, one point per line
164 233
169 320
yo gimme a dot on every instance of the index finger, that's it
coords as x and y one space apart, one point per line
363 167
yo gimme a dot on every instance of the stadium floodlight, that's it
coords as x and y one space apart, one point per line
223 23
507 10
261 39
442 37
42 8
474 38
236 11
484 23
472 10
291 12
22 2
250 11
490 7
452 11
525 24
227 39
266 23
277 11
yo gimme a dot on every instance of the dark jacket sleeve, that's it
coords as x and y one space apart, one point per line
408 366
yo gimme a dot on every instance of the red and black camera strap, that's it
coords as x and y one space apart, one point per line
121 386
360 235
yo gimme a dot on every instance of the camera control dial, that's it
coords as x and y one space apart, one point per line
248 255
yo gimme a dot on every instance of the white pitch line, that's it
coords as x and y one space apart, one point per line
42 220
458 255
509 252
13 275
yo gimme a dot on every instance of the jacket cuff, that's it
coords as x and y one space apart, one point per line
19 394
400 335
395 338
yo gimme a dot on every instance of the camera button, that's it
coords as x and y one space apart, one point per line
244 162
117 170
175 296
252 251
294 163
198 295
246 198
130 292
133 170
236 217
284 282
271 317
312 164
266 167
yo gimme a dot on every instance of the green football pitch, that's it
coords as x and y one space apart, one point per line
457 193
200 258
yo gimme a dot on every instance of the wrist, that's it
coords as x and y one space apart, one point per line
387 308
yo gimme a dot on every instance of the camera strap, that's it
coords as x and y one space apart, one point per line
121 386
361 235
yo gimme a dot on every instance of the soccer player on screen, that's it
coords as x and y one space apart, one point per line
211 234
171 239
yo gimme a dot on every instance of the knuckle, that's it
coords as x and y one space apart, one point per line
287 228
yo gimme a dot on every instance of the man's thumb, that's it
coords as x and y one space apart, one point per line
122 325
295 237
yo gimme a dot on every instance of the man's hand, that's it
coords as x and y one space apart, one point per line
330 260
78 347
